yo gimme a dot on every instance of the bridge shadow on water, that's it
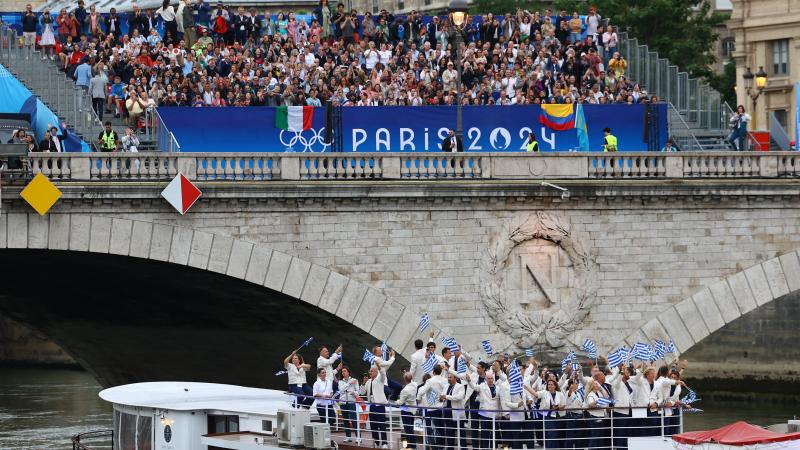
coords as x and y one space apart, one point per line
130 320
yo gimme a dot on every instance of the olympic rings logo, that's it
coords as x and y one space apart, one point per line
314 143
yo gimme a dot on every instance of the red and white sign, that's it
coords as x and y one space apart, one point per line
181 193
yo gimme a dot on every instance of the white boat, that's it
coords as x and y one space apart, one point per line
189 416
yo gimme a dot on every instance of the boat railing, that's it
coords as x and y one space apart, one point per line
400 427
93 440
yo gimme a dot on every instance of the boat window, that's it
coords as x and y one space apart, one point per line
144 433
223 424
127 432
266 425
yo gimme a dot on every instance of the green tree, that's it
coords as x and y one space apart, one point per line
725 83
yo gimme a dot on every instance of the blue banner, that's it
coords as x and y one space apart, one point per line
405 129
240 130
491 128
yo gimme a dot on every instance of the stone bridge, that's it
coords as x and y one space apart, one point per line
530 251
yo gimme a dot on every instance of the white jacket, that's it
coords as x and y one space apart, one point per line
456 398
376 395
407 401
489 403
417 361
549 404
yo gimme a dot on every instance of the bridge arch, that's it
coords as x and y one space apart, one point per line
350 300
696 317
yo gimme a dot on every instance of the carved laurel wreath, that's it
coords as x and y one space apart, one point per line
552 326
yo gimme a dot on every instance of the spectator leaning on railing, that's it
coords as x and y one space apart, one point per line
241 59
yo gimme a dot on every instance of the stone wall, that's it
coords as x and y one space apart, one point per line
20 345
651 245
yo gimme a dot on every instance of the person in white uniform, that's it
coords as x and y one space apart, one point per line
296 370
489 403
323 394
453 414
377 404
407 402
348 391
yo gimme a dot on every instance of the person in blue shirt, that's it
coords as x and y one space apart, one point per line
312 100
116 99
201 12
83 74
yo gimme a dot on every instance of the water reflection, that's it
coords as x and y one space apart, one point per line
41 408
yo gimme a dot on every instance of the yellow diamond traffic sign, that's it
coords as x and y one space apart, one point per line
41 194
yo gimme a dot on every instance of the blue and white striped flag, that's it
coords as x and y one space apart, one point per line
660 349
590 348
280 372
625 353
603 402
581 393
641 351
690 398
616 358
576 368
652 352
432 397
424 322
368 357
671 347
565 362
529 352
429 364
461 366
384 351
450 343
308 341
514 379
487 347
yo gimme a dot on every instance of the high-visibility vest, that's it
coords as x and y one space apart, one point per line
611 143
533 146
109 142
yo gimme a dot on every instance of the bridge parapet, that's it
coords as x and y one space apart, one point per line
413 166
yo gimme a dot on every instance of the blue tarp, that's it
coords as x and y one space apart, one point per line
16 98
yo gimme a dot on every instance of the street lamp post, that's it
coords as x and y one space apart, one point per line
754 92
458 19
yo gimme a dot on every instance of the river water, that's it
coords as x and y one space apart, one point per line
42 408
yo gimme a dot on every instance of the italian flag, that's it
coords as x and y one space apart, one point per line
294 118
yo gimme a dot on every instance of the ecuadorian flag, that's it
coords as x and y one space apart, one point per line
557 116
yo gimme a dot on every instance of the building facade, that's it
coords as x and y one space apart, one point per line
767 34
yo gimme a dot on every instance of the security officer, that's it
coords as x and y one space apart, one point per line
610 141
533 144
108 139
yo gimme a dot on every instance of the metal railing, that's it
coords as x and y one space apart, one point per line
267 167
390 425
93 440
701 106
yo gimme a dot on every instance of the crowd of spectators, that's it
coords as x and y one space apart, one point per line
195 54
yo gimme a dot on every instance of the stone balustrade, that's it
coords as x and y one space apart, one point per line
413 166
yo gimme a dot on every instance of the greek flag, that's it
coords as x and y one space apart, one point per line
616 358
590 348
652 352
280 372
671 347
690 398
641 351
624 353
603 402
432 397
660 349
461 366
450 343
384 350
429 364
581 393
424 322
308 341
514 379
576 368
529 352
368 357
487 347
565 362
